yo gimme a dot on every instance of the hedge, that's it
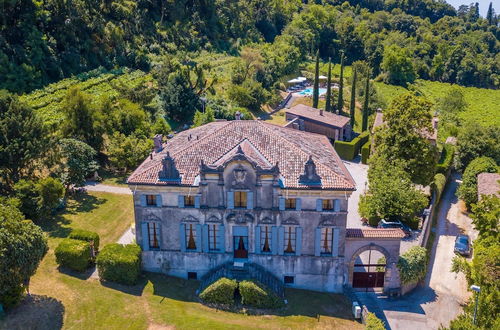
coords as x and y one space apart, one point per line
120 263
349 150
365 152
446 159
73 254
220 292
256 295
372 322
85 235
438 184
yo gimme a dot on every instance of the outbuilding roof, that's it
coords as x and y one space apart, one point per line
263 143
488 184
324 117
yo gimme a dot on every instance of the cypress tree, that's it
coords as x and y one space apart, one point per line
340 104
316 82
364 125
353 97
490 14
328 106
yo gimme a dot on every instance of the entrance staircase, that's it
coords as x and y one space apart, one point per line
241 271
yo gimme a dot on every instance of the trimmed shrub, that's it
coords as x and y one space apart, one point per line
446 159
256 295
220 292
365 152
120 263
349 150
372 322
413 223
73 254
412 265
439 184
85 235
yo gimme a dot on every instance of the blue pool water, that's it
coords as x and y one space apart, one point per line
309 91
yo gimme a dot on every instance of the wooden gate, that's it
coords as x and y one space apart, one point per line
368 279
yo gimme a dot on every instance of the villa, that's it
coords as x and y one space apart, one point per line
248 192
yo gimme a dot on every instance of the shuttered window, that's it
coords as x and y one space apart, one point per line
151 200
188 201
290 203
240 199
190 237
213 233
290 239
326 240
154 235
265 239
327 204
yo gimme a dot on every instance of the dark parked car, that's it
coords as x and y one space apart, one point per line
462 245
395 224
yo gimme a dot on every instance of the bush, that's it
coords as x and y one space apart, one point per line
74 254
412 265
413 223
468 189
120 263
256 295
349 150
439 184
365 152
372 322
220 292
446 159
85 235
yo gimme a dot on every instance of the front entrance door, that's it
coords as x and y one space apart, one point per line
240 242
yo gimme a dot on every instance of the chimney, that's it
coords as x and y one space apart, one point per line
158 143
237 115
321 112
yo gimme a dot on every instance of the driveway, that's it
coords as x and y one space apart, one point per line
95 186
359 173
443 293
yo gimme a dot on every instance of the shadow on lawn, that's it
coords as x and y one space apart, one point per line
35 312
319 304
135 290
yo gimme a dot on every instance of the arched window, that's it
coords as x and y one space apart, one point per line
290 239
190 237
265 239
326 240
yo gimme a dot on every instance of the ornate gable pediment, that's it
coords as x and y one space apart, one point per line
328 220
190 218
290 221
151 217
310 177
214 218
240 217
169 172
267 221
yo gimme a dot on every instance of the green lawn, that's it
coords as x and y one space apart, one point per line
62 299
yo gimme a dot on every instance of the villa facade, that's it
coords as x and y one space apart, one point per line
246 192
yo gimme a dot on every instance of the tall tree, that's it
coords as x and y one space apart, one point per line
22 139
408 122
490 15
22 246
340 103
366 110
316 82
328 105
353 97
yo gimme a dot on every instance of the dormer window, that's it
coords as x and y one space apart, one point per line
240 199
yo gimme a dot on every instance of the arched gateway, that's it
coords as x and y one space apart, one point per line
371 257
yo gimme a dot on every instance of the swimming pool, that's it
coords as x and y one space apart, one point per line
309 91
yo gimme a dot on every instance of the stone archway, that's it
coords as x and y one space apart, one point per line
386 280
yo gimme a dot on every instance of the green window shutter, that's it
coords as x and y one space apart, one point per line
257 248
205 238
335 247
319 205
182 233
298 241
181 201
159 202
143 200
250 200
281 240
221 239
197 201
282 203
145 236
230 200
298 204
274 240
199 234
336 205
317 242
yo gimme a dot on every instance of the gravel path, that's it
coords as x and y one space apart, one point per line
95 186
359 173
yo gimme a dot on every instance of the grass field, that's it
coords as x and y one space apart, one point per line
62 299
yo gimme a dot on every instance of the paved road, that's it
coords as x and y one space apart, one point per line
441 298
95 186
359 173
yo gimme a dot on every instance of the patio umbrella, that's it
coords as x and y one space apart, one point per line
322 78
294 81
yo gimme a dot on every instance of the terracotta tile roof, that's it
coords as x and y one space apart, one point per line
264 143
374 233
488 184
328 118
